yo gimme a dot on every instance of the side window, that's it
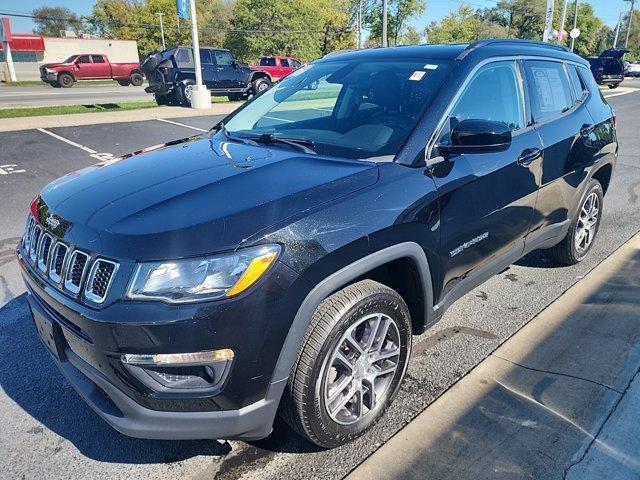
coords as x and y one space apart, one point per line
83 59
267 62
494 93
579 88
224 58
205 56
97 59
296 63
184 58
284 62
550 92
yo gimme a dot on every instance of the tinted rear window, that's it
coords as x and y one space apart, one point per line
267 62
579 88
549 89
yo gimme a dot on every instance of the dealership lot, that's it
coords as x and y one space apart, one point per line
50 433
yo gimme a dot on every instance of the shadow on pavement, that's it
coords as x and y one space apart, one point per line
536 405
30 378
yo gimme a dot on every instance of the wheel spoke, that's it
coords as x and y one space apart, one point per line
370 335
390 353
386 370
343 359
344 400
336 390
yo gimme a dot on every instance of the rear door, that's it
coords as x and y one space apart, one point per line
487 199
564 125
101 67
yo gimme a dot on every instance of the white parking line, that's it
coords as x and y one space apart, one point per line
103 156
618 94
182 125
66 140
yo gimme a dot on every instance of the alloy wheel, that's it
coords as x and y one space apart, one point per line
587 223
361 368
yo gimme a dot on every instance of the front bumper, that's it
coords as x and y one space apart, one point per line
86 346
49 77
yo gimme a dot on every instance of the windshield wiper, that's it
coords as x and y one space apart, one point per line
300 144
233 138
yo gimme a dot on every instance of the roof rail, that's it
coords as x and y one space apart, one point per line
532 43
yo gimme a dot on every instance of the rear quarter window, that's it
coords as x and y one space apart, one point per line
578 86
548 88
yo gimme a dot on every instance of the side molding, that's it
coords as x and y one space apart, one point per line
340 278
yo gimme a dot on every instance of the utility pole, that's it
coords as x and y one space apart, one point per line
359 24
548 21
563 19
575 23
615 39
5 36
164 47
626 42
385 6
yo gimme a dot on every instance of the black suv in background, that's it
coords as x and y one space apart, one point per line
282 261
609 67
171 75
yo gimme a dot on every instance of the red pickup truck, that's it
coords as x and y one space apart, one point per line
277 67
90 67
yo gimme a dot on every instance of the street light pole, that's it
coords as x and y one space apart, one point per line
164 47
626 42
359 24
575 23
385 6
200 96
615 39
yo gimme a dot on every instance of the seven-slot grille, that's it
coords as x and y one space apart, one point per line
66 267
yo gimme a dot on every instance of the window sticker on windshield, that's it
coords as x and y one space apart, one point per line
417 75
430 66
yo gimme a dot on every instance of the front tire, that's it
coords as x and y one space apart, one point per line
584 227
124 83
613 86
350 364
65 80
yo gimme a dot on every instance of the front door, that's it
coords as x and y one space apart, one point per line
84 67
486 199
228 70
209 72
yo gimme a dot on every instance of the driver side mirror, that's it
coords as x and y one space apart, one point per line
477 136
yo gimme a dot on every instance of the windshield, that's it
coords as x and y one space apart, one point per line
70 59
352 109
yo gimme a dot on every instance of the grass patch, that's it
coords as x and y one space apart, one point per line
67 109
80 84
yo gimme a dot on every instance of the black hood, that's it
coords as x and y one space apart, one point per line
194 197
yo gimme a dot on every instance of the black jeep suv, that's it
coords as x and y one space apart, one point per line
282 262
608 68
171 75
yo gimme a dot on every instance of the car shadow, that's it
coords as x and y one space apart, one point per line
30 378
34 383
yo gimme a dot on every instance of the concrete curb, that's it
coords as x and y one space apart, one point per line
78 119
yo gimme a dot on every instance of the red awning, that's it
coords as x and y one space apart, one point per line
25 42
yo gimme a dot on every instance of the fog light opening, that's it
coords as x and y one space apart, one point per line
198 371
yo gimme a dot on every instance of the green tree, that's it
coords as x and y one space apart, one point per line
525 18
411 36
307 29
49 21
398 13
137 20
465 25
590 26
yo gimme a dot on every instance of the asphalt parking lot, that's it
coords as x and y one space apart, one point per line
49 433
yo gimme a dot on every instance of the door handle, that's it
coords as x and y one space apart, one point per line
529 155
587 129
219 69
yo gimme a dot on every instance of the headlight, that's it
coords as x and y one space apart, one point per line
49 70
196 279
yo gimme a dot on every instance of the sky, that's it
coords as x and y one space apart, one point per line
607 10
